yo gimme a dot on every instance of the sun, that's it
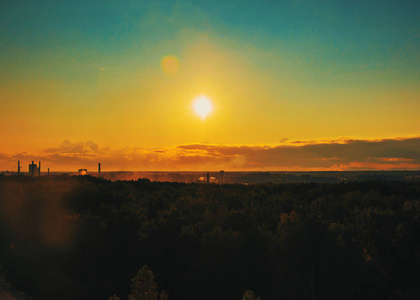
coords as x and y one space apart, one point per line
202 106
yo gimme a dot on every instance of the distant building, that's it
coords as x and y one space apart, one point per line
221 176
82 172
7 173
34 170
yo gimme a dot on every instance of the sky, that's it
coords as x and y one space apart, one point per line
294 85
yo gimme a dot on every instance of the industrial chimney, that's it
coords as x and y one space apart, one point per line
32 169
39 169
99 168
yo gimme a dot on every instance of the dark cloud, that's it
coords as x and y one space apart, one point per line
340 154
336 154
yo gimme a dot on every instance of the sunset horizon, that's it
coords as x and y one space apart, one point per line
342 154
190 86
212 150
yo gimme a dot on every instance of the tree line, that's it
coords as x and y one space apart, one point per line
86 238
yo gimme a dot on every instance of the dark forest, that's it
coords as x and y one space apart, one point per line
81 237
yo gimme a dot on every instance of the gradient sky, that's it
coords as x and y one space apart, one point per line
82 81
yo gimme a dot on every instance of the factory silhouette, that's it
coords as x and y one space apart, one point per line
35 170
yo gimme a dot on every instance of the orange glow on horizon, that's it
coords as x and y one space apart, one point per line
339 156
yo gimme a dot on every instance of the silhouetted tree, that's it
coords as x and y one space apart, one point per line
163 295
250 295
143 285
292 241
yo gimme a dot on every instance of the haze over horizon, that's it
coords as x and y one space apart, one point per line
291 85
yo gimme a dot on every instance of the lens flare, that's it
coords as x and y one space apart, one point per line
202 106
170 64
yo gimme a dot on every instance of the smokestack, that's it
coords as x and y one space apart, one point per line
48 171
208 178
32 169
18 167
39 169
99 168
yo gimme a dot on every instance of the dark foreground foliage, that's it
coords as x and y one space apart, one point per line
86 238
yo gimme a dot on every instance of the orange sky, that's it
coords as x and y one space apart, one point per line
126 78
333 155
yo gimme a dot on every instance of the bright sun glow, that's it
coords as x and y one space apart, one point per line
202 106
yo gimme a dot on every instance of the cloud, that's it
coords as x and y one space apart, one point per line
338 154
77 149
